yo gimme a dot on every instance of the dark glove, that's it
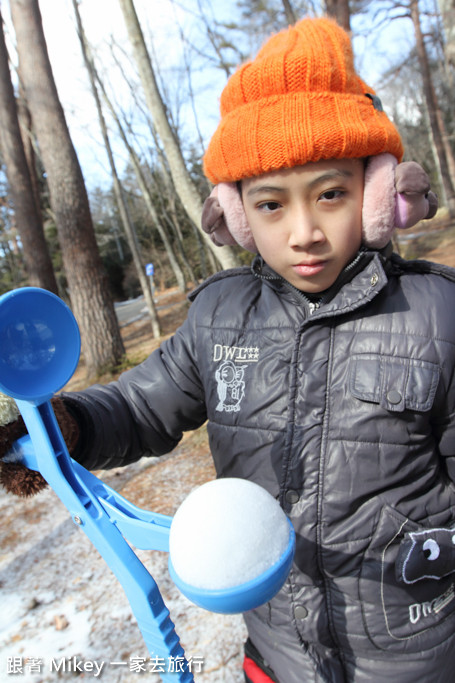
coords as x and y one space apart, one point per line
15 477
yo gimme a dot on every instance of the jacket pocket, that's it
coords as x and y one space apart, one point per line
400 617
395 383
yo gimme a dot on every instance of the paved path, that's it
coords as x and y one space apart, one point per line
136 309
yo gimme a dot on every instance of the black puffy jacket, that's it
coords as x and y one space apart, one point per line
346 413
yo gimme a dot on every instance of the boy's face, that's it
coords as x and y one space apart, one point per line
307 220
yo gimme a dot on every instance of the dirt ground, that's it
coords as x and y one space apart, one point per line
431 240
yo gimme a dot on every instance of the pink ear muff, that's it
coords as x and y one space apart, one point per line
236 220
379 197
224 219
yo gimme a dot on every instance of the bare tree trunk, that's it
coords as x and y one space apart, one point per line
28 219
291 17
170 192
118 190
169 213
89 292
25 126
179 276
183 183
339 10
447 8
438 132
205 253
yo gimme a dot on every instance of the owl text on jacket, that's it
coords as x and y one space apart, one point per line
243 354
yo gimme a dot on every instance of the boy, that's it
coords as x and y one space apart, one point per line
325 373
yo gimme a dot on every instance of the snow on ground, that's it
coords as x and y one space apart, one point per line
61 605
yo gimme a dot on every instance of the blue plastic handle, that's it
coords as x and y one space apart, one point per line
39 351
144 529
87 510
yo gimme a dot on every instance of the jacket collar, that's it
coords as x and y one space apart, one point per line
358 283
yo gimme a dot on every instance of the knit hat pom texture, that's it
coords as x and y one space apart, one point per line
299 100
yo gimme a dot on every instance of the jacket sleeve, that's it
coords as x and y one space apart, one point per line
145 411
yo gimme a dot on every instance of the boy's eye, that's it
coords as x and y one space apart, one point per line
269 207
330 195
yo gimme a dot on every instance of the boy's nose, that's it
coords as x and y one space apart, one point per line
304 230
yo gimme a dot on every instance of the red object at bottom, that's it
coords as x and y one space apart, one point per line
254 673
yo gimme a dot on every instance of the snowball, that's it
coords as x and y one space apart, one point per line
227 532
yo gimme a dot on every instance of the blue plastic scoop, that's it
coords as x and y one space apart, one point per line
39 351
39 344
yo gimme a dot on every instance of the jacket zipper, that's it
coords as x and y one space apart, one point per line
313 306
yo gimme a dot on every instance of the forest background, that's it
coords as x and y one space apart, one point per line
106 109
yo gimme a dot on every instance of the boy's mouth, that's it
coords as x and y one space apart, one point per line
308 269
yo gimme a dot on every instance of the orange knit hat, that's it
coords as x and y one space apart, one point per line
300 100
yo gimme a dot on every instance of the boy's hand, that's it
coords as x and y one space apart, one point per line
15 477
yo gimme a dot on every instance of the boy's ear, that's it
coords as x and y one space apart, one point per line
395 196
